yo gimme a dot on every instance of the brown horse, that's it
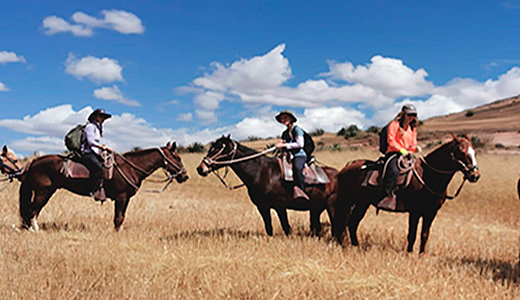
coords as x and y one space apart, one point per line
262 177
9 164
43 177
422 198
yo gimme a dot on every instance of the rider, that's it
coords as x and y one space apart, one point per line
293 140
91 149
402 139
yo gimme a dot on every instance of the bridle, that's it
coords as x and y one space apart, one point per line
459 166
166 160
10 172
210 161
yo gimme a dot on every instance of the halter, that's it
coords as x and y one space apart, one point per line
166 161
209 161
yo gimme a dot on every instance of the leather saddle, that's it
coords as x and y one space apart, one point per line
73 168
313 173
375 172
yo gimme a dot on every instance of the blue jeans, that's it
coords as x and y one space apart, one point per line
392 172
298 164
93 163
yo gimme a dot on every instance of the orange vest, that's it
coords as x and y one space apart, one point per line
399 138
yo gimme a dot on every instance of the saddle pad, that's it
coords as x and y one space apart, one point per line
373 179
73 169
313 173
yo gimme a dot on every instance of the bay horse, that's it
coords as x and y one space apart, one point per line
263 178
422 198
43 177
9 164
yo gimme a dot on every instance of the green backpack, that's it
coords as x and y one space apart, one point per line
73 138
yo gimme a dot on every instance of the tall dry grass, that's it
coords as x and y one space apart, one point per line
198 240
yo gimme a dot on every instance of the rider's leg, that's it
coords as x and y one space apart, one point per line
93 163
392 172
299 178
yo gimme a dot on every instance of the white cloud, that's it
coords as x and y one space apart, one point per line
185 117
114 94
117 20
3 87
97 70
10 57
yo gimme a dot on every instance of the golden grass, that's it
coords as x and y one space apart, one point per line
198 240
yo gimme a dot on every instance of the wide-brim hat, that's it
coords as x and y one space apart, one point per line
99 112
288 113
409 109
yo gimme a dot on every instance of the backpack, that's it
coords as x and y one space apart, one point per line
73 138
308 143
383 140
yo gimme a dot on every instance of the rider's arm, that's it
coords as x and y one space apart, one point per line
394 138
298 140
91 138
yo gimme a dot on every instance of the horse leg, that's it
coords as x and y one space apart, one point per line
265 212
26 195
284 221
358 213
120 205
315 222
425 231
40 200
413 221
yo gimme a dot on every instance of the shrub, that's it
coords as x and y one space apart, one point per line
373 129
196 148
469 113
317 132
499 146
252 138
349 132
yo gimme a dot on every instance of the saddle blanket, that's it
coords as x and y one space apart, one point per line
313 174
73 169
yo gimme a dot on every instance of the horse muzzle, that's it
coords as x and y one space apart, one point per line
182 177
203 169
473 175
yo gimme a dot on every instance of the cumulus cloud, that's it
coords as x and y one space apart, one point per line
114 94
3 87
10 57
118 20
185 117
97 70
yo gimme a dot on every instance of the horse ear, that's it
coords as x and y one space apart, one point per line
168 145
229 136
455 138
174 146
4 149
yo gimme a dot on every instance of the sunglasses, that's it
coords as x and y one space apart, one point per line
412 115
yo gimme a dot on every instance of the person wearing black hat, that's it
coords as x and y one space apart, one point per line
293 140
402 139
91 149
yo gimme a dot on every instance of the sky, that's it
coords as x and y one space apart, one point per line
190 71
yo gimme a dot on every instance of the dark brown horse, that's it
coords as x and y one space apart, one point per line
421 199
262 177
43 177
9 164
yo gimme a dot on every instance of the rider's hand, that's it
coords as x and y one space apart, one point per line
280 145
110 150
403 151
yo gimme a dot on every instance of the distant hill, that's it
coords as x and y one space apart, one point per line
498 123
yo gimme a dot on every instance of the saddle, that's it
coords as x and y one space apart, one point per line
375 172
73 168
313 173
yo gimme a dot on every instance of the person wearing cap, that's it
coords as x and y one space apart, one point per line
91 149
293 140
402 139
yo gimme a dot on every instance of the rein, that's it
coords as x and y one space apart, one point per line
166 160
422 182
208 161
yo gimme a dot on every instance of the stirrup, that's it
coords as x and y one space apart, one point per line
389 203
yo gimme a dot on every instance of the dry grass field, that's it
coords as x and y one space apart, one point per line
198 240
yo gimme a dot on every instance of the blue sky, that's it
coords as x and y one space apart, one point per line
193 70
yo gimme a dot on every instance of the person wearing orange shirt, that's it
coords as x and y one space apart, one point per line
402 139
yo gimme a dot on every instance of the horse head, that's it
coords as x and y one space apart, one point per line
221 150
464 157
173 163
9 163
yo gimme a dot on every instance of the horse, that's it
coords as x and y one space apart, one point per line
9 164
422 198
263 178
43 177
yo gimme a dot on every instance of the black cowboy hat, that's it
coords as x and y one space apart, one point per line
99 112
288 113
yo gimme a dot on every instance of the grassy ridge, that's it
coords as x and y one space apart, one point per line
198 240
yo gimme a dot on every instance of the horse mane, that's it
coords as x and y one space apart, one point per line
138 153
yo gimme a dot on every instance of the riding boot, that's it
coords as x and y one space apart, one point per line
299 194
99 192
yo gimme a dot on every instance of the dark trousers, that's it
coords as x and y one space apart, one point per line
392 172
298 163
93 163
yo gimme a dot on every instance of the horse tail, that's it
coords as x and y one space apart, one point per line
26 193
341 209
